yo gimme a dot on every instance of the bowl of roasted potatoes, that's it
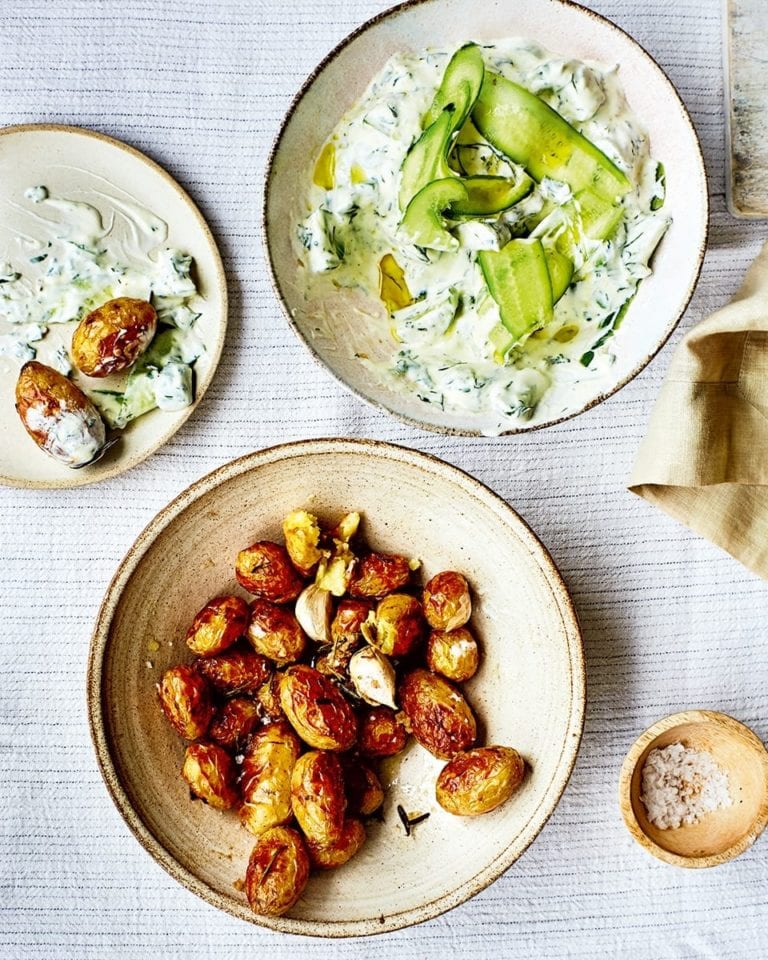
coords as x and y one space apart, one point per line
336 687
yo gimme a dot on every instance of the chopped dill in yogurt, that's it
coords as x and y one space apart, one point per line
67 262
449 343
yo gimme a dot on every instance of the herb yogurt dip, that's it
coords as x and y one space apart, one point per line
456 341
68 261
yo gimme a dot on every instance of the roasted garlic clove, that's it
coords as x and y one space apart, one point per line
314 610
373 677
334 572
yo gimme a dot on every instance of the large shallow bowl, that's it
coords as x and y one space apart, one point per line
528 693
338 332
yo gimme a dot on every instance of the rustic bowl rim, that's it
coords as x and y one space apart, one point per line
731 726
379 404
82 478
97 706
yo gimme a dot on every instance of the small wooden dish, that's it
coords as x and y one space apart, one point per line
724 834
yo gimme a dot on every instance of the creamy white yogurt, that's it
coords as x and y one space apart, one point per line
71 258
445 346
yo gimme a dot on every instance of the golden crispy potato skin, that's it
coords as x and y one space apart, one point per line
113 336
58 416
275 632
186 702
346 636
349 619
377 574
268 696
381 734
446 599
234 723
399 625
331 855
211 774
365 793
277 873
439 716
236 671
265 570
265 782
453 653
318 797
218 625
302 540
317 711
479 780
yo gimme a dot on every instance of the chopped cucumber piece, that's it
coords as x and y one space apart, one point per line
423 223
427 159
531 133
560 271
465 68
599 218
518 280
487 196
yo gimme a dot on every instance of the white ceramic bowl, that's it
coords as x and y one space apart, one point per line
564 28
528 693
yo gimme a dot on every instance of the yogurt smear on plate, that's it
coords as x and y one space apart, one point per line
68 258
445 343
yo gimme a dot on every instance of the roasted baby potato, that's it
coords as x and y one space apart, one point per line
438 715
277 873
302 540
446 599
453 653
364 791
268 696
317 710
318 797
399 625
58 416
265 570
381 734
186 701
113 336
211 774
479 780
234 723
328 856
349 619
218 625
377 574
346 636
265 782
236 671
275 632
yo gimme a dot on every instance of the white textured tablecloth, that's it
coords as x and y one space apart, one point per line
669 621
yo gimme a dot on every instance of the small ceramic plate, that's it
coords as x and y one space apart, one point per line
528 693
336 335
84 166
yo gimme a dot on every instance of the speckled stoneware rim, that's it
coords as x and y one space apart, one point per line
412 421
81 478
726 723
97 707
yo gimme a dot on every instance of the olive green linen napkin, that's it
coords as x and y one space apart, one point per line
704 459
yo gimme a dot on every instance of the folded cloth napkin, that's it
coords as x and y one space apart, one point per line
704 459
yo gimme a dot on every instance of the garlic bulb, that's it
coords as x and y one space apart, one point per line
373 677
314 609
